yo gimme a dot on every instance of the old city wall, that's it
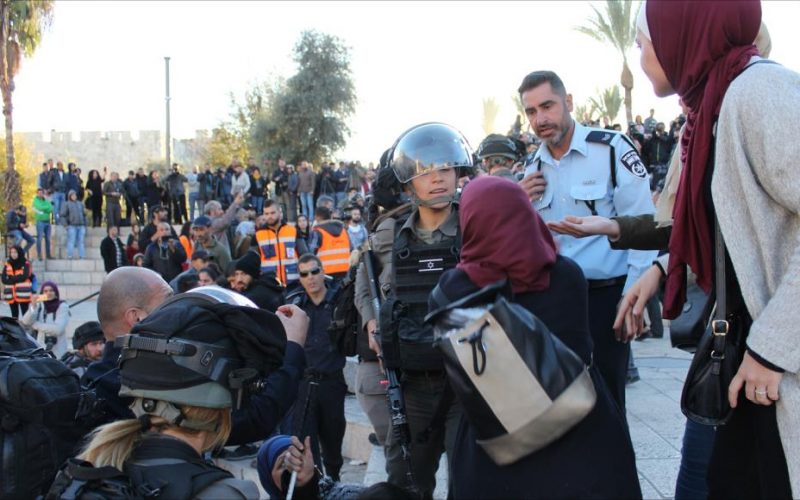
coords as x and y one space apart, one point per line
120 150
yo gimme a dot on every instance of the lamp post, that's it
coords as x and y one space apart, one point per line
169 140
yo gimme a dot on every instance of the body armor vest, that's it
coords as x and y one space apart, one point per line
417 267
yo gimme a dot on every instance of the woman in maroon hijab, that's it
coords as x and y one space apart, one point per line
738 142
504 238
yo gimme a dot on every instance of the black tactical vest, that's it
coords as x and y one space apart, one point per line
417 267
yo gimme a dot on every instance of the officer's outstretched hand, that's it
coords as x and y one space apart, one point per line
630 313
534 185
591 225
295 321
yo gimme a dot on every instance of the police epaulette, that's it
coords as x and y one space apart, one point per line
601 136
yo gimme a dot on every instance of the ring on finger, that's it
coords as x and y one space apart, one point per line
760 393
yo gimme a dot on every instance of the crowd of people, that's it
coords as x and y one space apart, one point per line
234 330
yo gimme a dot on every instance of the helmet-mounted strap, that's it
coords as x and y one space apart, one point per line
211 361
169 412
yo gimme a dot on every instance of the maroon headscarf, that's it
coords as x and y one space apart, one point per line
702 47
503 236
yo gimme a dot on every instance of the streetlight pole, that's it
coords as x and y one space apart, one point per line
169 140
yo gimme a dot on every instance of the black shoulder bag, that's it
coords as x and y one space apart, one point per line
718 356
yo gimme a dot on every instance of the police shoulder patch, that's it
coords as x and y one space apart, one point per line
633 164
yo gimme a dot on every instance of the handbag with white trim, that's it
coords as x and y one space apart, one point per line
519 385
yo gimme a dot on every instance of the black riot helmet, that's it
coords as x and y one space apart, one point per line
500 145
428 147
204 348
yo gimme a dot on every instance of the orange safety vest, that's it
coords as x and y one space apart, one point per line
334 252
19 292
187 246
278 254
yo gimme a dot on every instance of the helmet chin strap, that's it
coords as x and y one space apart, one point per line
429 203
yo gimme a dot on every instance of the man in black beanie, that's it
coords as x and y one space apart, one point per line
264 290
87 345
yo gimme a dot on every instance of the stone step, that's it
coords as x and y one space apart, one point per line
94 278
83 265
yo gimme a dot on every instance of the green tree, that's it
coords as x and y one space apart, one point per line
616 27
305 119
22 23
224 145
584 111
607 103
26 171
490 111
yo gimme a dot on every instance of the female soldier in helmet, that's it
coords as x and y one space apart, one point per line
413 245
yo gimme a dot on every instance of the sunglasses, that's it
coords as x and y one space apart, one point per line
314 271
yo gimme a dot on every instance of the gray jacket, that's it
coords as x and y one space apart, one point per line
72 214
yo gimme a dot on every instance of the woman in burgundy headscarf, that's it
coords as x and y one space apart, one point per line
504 238
703 51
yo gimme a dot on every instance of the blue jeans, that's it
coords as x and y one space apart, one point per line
698 442
194 199
58 200
73 233
43 231
339 196
258 204
18 235
307 204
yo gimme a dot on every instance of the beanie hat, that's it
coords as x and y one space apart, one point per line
267 456
86 333
249 263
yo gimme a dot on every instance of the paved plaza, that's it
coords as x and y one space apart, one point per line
654 417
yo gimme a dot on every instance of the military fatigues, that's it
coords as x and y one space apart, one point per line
584 182
409 275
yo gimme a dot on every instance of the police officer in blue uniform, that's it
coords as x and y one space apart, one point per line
581 171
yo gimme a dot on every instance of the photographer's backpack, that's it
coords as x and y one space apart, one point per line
345 321
42 408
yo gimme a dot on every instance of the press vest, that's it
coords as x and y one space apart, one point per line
417 267
19 292
334 252
278 255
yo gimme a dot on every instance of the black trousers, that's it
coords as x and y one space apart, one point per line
326 422
748 459
17 307
178 208
133 205
609 355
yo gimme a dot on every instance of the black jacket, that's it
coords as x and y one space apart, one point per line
266 292
108 251
164 260
595 458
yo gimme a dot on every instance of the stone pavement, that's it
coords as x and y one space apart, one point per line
654 417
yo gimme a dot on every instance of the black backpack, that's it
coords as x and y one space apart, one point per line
44 413
179 480
345 321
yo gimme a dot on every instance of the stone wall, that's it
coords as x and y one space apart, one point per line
120 150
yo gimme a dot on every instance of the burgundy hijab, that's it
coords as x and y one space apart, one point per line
702 47
503 236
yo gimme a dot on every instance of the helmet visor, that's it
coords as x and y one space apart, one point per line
427 148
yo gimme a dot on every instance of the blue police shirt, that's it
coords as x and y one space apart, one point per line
583 175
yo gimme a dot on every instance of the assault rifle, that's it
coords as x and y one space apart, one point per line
394 393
